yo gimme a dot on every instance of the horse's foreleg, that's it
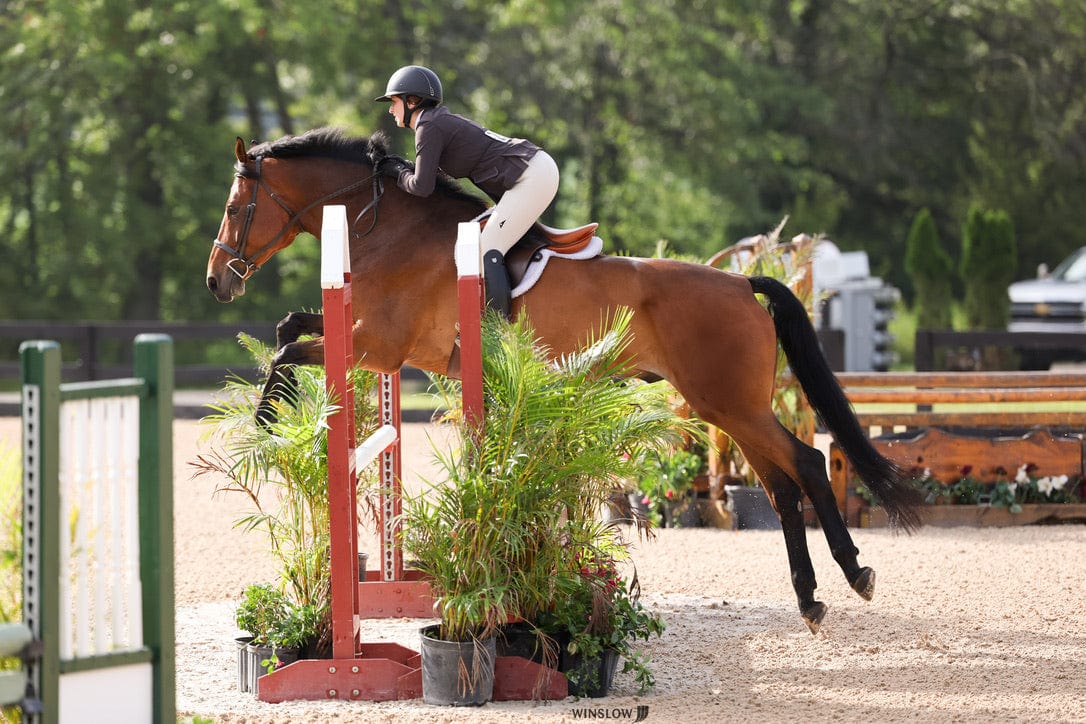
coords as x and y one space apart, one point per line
295 324
281 374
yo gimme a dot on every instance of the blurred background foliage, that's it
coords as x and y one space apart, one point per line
691 121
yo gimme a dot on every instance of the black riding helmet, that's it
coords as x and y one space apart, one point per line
414 80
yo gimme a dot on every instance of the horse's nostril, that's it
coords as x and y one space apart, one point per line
212 284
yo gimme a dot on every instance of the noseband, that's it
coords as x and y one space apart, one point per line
244 266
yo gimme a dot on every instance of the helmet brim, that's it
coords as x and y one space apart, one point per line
383 99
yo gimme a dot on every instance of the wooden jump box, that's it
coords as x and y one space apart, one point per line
992 441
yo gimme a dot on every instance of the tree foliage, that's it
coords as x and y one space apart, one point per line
695 122
932 273
987 267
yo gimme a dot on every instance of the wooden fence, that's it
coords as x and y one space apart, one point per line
986 434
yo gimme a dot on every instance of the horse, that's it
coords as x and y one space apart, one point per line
702 329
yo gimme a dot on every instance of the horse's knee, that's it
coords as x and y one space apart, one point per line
291 327
294 353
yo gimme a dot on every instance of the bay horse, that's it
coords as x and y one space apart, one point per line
700 328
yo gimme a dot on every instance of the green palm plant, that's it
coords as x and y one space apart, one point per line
502 536
282 469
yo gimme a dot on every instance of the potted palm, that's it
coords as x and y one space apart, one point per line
281 469
500 538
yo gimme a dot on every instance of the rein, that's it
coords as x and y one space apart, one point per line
249 263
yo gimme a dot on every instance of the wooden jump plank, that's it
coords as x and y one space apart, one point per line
1069 419
1039 395
961 379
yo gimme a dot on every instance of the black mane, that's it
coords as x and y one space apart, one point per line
334 143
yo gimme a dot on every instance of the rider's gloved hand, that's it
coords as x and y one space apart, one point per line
394 166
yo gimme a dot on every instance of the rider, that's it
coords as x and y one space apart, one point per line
520 176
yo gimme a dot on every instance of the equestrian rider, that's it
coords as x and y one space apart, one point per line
520 176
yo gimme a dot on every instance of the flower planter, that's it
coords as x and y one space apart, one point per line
244 683
591 677
456 673
521 639
258 654
751 508
683 513
617 509
639 509
363 561
985 516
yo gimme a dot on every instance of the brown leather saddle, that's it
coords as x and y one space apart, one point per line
540 236
562 241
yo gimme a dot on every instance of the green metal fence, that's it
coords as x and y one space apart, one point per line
106 634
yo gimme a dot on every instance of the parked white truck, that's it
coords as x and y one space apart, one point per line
1053 302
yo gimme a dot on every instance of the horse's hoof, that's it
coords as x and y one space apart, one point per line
864 584
813 615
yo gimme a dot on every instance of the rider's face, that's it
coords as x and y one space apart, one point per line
396 109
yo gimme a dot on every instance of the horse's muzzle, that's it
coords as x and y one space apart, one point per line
225 291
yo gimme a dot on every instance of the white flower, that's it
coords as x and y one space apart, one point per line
1058 483
1022 476
1044 485
1012 487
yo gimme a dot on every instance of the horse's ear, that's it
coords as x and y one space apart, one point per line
239 150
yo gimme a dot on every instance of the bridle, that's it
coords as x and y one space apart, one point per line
244 266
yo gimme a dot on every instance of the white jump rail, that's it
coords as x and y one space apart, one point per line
374 445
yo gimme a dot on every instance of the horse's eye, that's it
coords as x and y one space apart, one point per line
231 210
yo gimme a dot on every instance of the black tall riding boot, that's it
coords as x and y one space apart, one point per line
496 281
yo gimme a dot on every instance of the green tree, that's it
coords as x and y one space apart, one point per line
988 266
695 122
932 272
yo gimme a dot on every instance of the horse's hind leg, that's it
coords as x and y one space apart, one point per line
787 499
811 465
789 468
809 471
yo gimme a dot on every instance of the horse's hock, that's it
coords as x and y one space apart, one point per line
990 438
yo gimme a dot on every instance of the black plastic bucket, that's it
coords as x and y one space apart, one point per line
456 673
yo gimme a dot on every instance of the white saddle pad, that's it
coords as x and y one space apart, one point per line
536 267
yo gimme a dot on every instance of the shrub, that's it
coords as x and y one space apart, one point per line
989 264
932 272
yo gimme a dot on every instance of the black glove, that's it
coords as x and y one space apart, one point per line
394 166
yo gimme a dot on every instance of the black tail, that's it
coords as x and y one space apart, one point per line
797 336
